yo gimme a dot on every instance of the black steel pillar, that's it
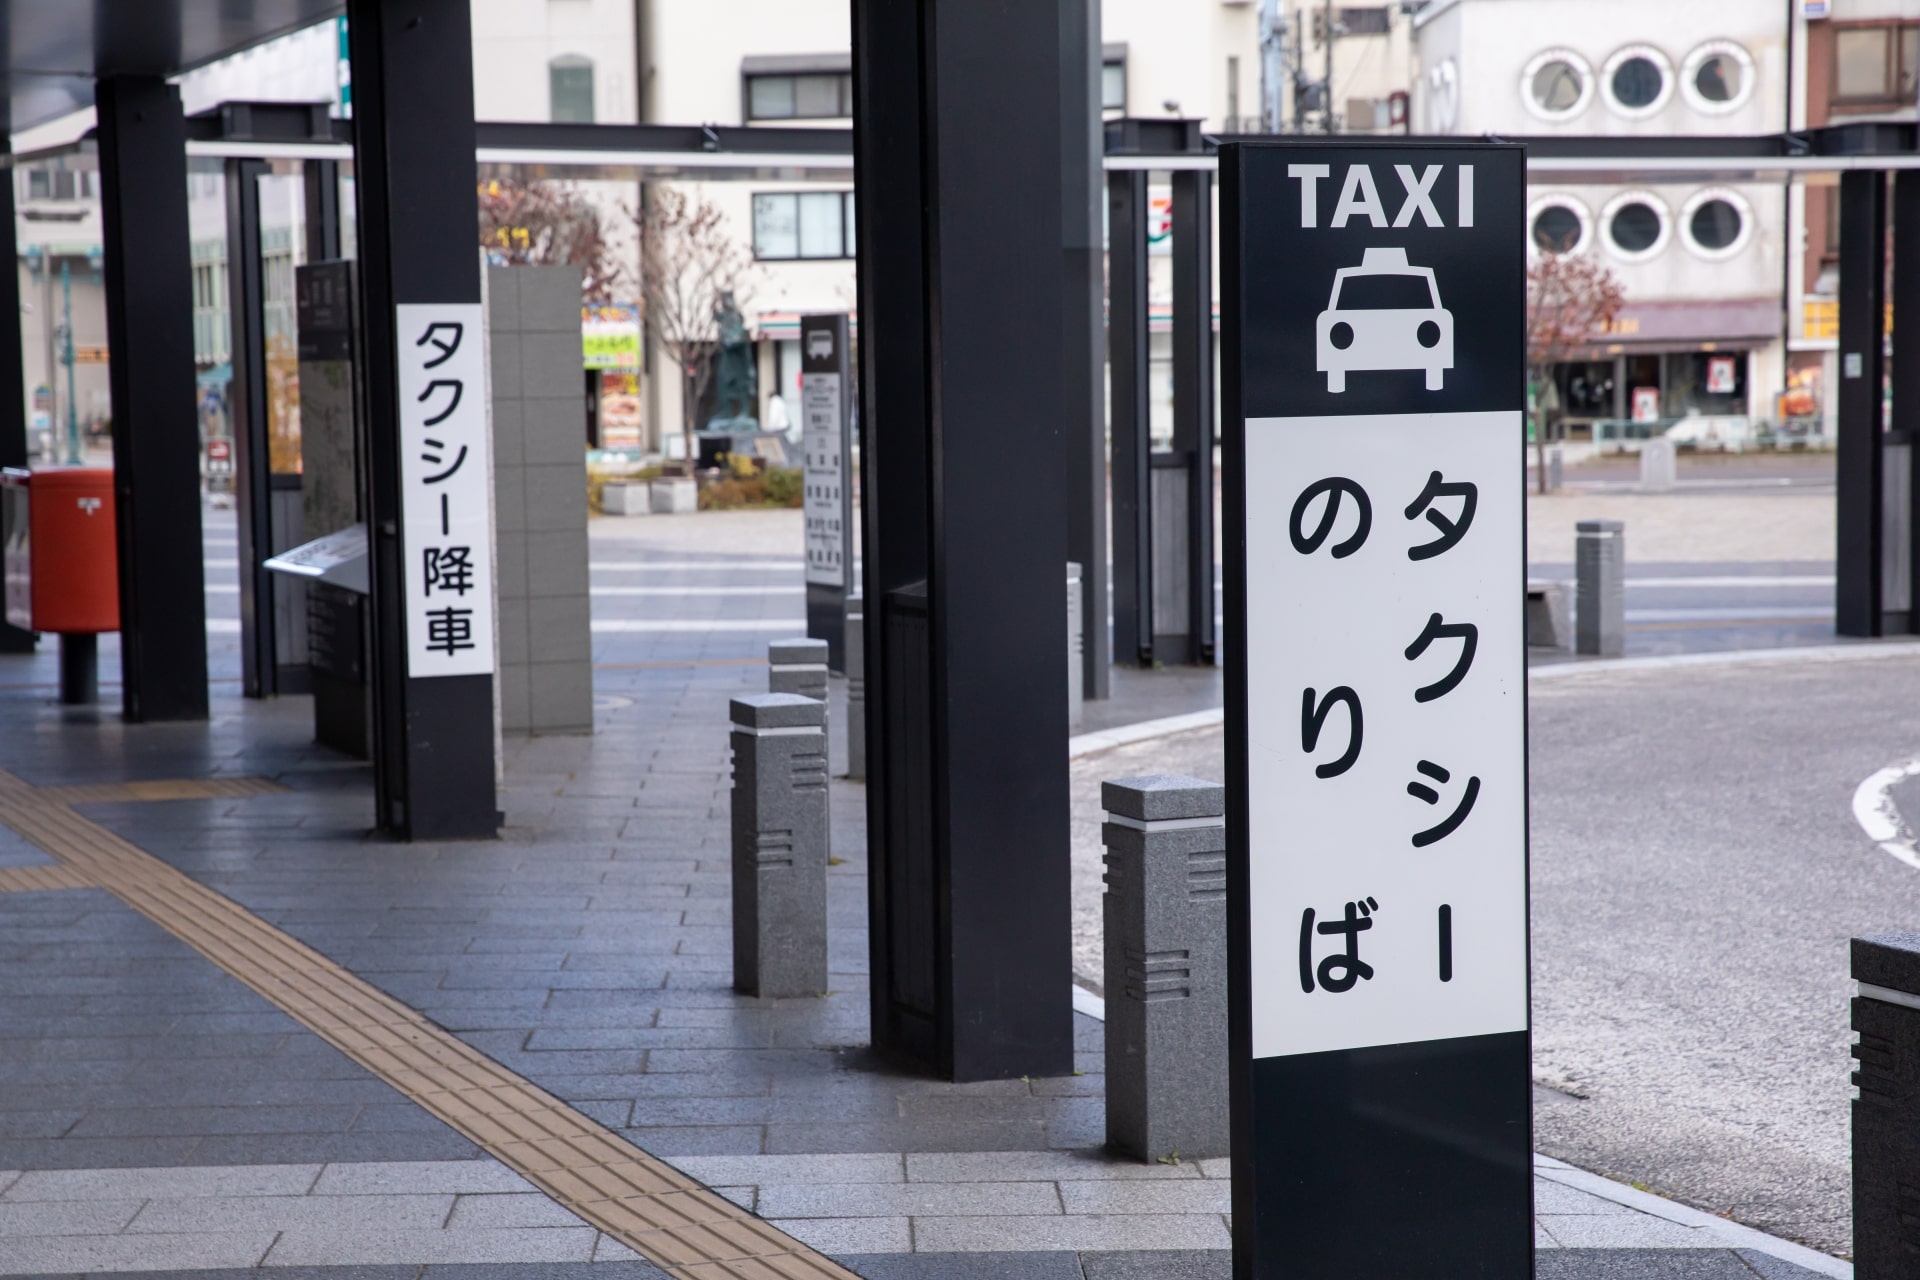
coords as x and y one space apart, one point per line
1190 639
13 388
1860 476
956 103
1127 367
247 398
320 185
1900 464
1083 352
417 237
156 433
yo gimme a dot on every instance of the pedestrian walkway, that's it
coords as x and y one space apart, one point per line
238 1032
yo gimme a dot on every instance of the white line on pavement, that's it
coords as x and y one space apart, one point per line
1744 613
793 625
1879 817
1087 744
721 566
700 591
1779 580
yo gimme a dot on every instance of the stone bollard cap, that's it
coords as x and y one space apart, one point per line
1160 797
778 711
1600 526
793 652
1888 960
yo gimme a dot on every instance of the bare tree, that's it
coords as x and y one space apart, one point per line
689 261
542 223
1570 298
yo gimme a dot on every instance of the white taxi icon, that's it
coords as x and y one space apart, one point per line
1384 314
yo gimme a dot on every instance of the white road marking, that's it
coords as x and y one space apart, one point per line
1780 580
700 591
793 625
675 566
1879 817
1745 613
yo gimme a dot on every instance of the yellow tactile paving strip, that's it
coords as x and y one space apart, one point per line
666 1217
166 789
27 879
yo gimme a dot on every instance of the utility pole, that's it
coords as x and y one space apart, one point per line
74 455
1326 64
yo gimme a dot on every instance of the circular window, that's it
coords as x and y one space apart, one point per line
1638 80
1557 84
1559 225
1718 77
1717 223
1636 225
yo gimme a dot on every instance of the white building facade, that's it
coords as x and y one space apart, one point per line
1703 264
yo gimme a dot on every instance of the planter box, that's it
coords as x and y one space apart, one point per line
626 498
672 497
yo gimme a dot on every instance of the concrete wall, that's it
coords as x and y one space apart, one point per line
540 500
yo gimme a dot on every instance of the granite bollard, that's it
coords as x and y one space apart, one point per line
1165 920
1600 588
779 845
856 688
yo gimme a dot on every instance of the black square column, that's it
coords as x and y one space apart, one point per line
1081 149
1193 412
1860 479
956 104
156 434
1900 461
13 388
1128 364
418 234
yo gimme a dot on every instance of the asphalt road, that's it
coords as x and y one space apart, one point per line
1697 872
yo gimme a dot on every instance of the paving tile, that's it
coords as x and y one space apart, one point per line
1102 1232
1635 1231
1647 1264
97 1153
286 1213
504 1210
1550 1197
156 1122
423 1177
1146 1195
200 1250
1159 1264
331 1148
1222 1167
1061 1166
65 1218
1035 1265
305 1247
755 1170
849 1235
692 1140
906 1199
629 1268
1771 1268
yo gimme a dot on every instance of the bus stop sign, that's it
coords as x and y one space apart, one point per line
1373 387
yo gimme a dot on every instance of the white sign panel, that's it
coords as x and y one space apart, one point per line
446 484
1386 765
823 504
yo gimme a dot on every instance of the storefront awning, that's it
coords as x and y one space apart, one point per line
1721 324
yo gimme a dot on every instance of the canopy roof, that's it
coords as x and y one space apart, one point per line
52 50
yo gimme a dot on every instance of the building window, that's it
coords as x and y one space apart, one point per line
1557 84
1716 223
821 96
570 89
803 224
1717 77
1113 85
1875 64
1636 225
1559 226
1637 80
1370 20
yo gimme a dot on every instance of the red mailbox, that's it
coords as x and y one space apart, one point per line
62 567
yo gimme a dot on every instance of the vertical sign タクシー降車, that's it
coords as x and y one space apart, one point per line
446 490
825 381
1373 386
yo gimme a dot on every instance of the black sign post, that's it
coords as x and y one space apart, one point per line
827 448
1373 387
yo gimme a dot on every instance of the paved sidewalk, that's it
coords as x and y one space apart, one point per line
162 1113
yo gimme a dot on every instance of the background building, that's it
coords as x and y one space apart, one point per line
1703 264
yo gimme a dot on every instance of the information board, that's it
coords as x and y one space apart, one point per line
827 449
1373 395
446 489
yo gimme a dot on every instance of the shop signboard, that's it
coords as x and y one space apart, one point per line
610 336
1373 413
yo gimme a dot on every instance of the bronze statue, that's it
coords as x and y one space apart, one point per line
735 381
